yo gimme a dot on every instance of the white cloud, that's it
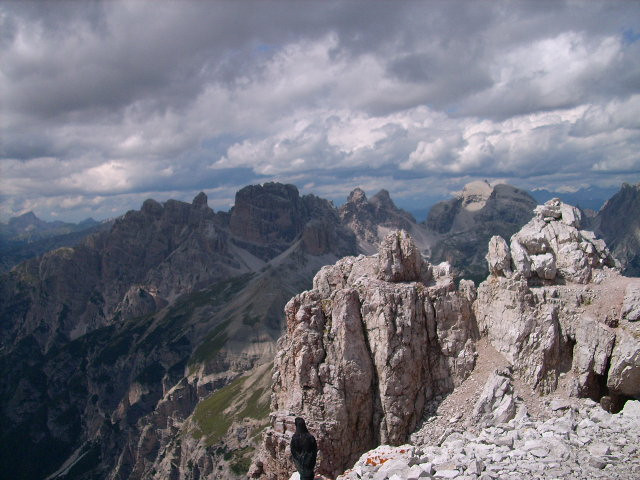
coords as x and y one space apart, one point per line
112 99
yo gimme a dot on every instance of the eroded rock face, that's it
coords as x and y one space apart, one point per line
364 350
553 305
267 218
551 245
496 403
367 217
138 301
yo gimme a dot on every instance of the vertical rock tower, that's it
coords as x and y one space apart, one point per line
364 350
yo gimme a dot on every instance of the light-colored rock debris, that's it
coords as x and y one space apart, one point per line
579 441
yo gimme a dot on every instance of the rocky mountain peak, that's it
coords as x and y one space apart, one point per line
382 199
200 200
152 208
474 195
357 196
550 248
371 219
364 350
268 213
24 221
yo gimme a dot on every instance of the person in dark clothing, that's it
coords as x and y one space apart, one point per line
304 450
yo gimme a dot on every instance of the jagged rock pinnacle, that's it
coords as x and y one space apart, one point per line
200 200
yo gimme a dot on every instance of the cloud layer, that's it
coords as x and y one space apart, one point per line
105 104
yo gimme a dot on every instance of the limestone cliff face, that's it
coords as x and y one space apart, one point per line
363 352
555 307
266 219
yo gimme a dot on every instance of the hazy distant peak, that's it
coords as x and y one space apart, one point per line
23 220
357 195
475 194
200 200
383 199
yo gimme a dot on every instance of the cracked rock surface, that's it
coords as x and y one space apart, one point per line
365 350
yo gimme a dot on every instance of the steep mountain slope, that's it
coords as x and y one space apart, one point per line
103 342
618 223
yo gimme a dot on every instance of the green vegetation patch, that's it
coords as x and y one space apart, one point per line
209 415
214 415
255 408
241 460
212 344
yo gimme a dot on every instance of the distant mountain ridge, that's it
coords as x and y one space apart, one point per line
618 223
26 236
592 198
29 227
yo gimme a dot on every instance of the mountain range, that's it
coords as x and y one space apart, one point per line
143 351
26 236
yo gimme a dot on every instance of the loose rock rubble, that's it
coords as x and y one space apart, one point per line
578 441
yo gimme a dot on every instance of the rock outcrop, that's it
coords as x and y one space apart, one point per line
554 306
363 352
496 403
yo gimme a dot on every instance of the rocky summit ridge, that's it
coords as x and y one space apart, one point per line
386 349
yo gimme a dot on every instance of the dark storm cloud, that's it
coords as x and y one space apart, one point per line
117 101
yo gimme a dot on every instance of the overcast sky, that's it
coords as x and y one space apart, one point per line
103 105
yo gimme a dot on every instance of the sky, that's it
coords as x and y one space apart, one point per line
105 104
